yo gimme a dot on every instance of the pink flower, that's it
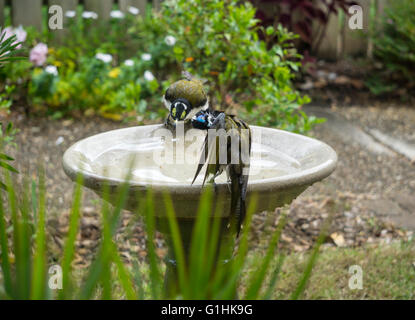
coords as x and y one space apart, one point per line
39 54
20 33
8 33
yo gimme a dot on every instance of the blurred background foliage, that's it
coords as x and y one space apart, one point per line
394 49
250 56
119 69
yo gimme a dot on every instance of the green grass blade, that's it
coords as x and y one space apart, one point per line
69 249
8 167
212 252
34 201
3 186
109 254
137 274
20 245
5 157
311 261
198 248
27 240
122 196
258 277
227 278
108 249
177 244
106 271
5 262
138 279
123 275
155 274
274 278
39 266
96 268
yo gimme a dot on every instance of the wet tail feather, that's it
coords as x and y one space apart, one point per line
203 160
239 184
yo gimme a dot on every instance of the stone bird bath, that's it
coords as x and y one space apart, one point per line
283 165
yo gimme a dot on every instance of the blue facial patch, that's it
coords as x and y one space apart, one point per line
201 118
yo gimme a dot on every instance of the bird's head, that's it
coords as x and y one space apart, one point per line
179 109
185 98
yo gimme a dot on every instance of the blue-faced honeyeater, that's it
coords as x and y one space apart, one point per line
227 149
184 99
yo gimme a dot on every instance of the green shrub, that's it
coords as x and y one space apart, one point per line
219 40
95 86
394 47
216 40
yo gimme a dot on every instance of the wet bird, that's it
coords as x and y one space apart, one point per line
227 145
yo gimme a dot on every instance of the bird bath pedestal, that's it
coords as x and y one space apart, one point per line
283 165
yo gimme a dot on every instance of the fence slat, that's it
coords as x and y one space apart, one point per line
157 4
66 6
2 13
27 13
140 4
354 42
101 7
381 5
330 41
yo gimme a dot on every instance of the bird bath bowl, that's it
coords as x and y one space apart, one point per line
283 165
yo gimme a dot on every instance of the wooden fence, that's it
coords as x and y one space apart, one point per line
340 41
29 12
337 41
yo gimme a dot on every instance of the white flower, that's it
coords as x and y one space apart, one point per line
129 63
21 34
133 10
146 56
70 14
104 57
89 15
117 14
148 76
59 141
170 40
51 70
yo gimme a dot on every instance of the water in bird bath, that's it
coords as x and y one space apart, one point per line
281 161
149 162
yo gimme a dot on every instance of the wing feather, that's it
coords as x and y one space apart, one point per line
208 156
